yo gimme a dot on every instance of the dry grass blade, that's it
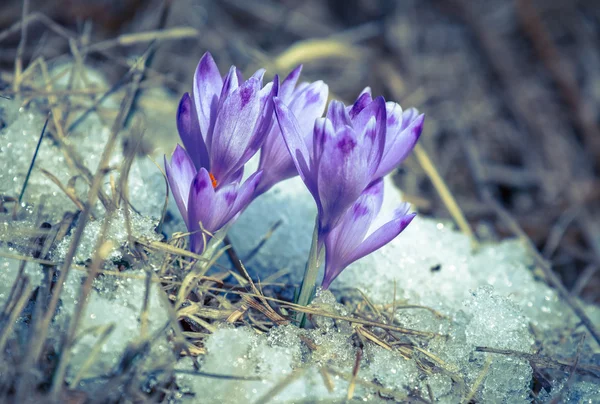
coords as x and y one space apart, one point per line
314 312
104 334
373 308
71 156
449 368
327 380
15 311
415 306
36 16
144 315
163 213
573 370
193 277
68 192
352 384
144 37
167 248
352 320
266 310
102 251
360 330
545 362
444 193
313 49
219 376
15 289
477 383
279 387
398 396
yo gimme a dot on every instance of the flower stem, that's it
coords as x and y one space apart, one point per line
310 273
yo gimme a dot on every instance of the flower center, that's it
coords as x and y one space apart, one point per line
213 180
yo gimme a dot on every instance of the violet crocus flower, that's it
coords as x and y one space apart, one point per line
307 102
403 129
225 121
342 157
204 208
361 231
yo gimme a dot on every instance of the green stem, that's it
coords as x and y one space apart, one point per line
310 273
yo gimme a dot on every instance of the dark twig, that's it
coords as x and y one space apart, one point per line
37 148
234 258
583 279
544 361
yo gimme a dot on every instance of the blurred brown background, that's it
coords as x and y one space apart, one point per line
511 89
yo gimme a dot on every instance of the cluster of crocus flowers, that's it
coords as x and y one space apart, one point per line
351 149
222 125
341 158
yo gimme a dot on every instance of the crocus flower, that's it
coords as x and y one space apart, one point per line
342 157
227 121
307 102
204 208
359 233
403 129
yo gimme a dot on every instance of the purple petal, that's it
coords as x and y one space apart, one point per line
235 123
337 114
225 198
308 104
239 75
245 194
342 248
295 143
343 175
341 242
236 177
361 102
228 201
377 109
383 235
180 174
265 122
258 75
394 116
370 124
408 116
202 209
189 131
289 84
230 84
207 87
275 161
323 132
399 142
